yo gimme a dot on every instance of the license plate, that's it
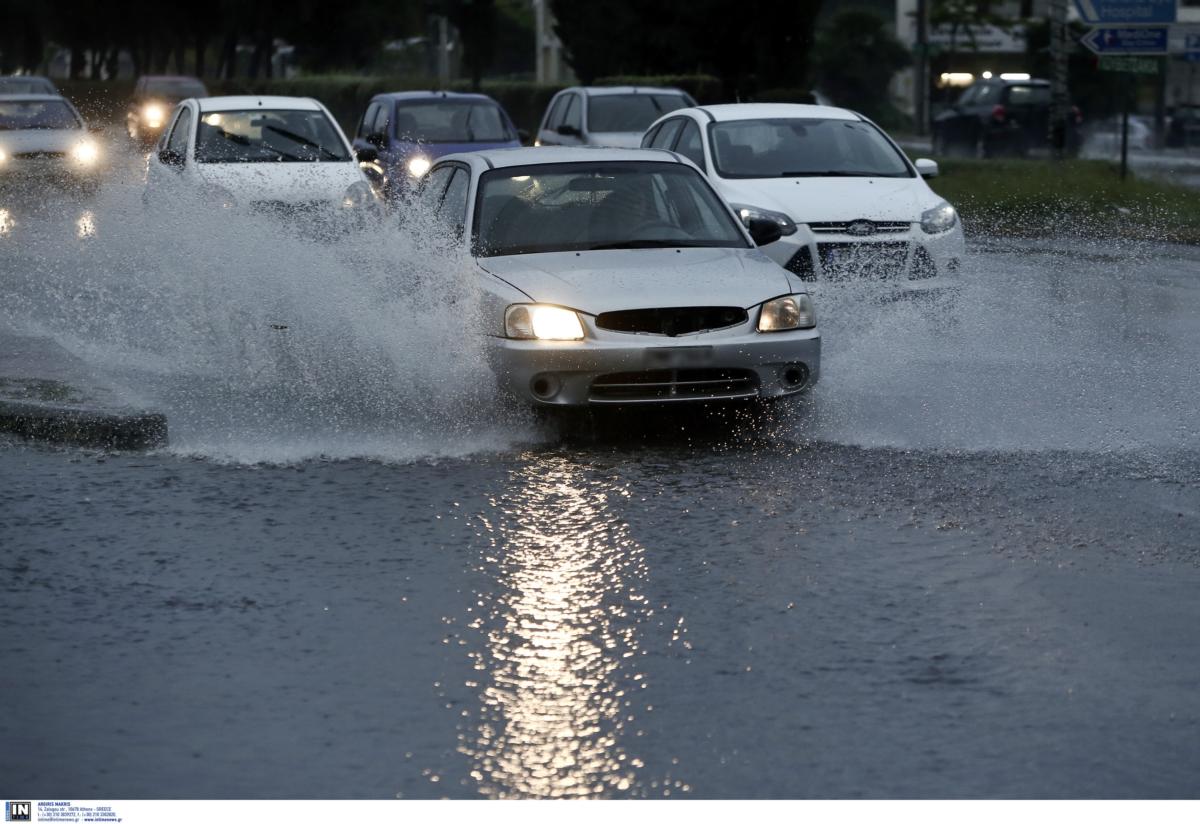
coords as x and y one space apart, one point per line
679 355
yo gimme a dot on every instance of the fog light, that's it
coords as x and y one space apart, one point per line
545 386
795 376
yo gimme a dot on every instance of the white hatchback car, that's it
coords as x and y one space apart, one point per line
849 202
618 276
283 156
613 116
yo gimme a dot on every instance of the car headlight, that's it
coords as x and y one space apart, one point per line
154 114
749 213
3 157
787 312
534 321
941 218
418 166
358 196
85 153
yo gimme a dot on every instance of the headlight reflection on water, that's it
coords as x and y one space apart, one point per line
6 222
85 226
558 668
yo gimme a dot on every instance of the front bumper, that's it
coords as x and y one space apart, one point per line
48 168
907 257
611 368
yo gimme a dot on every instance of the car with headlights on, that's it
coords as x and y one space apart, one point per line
43 139
613 116
618 277
154 96
280 156
849 203
400 134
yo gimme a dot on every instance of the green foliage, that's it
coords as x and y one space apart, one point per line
855 59
1084 198
704 87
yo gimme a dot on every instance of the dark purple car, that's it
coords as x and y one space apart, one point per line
407 131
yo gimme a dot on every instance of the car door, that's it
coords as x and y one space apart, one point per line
548 134
168 161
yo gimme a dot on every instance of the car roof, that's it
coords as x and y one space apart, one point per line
432 95
600 91
251 101
766 111
168 77
536 155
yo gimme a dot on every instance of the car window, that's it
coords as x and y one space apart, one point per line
630 112
803 147
987 93
556 112
433 187
368 120
269 136
452 213
37 114
179 134
174 88
452 121
968 96
1028 95
668 133
689 143
574 113
648 137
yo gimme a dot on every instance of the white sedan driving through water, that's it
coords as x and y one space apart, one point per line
281 156
849 202
617 276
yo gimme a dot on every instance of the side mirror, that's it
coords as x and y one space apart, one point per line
367 154
170 157
568 130
377 139
764 231
926 167
523 136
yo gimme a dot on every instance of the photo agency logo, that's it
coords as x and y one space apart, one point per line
18 811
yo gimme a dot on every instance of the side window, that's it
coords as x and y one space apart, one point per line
556 112
574 113
648 137
666 135
381 119
433 187
453 212
179 134
368 119
689 144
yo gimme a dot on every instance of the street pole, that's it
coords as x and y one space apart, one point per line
1059 95
1125 126
921 109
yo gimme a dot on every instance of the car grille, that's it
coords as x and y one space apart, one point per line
862 261
674 385
671 322
868 227
39 155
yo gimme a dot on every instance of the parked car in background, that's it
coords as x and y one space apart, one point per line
154 96
616 276
278 156
402 133
27 84
848 202
1000 116
612 116
43 139
1103 137
1183 127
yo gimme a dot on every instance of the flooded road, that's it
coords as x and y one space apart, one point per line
968 569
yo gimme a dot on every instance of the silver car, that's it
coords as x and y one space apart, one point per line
43 138
615 276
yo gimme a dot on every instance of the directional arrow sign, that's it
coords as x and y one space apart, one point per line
1126 12
1142 40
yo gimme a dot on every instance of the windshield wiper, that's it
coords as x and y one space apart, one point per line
303 141
647 244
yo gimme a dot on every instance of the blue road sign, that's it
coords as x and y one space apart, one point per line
1141 40
1191 48
1126 12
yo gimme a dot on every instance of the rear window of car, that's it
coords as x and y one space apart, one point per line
1028 95
630 112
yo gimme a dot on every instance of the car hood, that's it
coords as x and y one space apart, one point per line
835 199
616 140
611 280
41 140
289 182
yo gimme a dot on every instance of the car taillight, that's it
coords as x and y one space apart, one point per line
998 113
1077 115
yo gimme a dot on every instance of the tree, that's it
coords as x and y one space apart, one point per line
855 59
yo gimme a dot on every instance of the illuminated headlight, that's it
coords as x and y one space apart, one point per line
533 321
787 312
941 218
85 153
154 115
749 213
418 166
3 157
358 196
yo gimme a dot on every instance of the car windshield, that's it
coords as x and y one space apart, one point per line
608 205
37 114
804 147
268 135
630 112
26 85
452 121
175 88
